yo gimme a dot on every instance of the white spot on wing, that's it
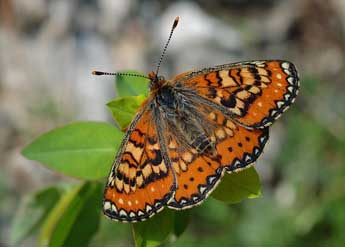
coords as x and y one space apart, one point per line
262 139
148 208
122 213
211 179
237 163
107 205
202 189
285 65
248 158
280 104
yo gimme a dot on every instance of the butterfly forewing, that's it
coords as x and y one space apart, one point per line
253 93
141 182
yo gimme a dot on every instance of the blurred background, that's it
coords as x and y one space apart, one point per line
49 48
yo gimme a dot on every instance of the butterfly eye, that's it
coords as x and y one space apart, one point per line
160 78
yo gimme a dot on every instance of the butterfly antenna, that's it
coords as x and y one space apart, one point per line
96 72
167 43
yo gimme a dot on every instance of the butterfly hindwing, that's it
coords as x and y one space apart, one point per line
141 182
198 173
254 93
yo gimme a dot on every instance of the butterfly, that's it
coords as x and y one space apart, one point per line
193 129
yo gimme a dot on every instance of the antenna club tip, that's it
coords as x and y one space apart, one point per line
95 72
177 19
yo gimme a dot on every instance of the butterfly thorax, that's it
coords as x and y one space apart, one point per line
168 99
182 120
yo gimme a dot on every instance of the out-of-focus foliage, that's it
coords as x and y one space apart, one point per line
48 48
32 211
74 220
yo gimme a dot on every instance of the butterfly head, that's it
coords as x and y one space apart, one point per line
156 81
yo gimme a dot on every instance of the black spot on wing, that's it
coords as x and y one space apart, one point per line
158 159
230 102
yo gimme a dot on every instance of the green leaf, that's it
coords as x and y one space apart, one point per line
31 212
163 228
105 234
75 218
52 221
84 150
88 220
154 231
123 109
131 85
181 222
237 186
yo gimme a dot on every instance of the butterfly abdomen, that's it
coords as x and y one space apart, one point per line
202 144
182 118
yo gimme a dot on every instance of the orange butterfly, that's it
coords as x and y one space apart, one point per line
191 130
